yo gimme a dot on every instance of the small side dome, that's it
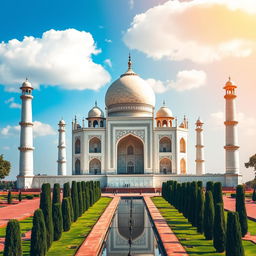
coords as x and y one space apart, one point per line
26 84
199 121
229 84
95 112
62 122
164 112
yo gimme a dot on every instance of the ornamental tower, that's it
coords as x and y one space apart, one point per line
62 166
200 163
26 131
231 147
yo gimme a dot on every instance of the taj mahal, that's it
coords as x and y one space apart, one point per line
130 144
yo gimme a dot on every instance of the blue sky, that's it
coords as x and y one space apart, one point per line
195 92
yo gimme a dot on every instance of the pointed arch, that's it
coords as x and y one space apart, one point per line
165 166
183 145
95 166
95 145
165 145
183 169
77 167
77 146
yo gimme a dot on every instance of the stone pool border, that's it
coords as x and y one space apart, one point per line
169 240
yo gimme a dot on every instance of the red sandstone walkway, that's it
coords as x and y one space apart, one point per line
19 211
230 204
93 243
170 242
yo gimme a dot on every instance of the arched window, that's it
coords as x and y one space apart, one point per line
182 146
170 122
77 167
95 145
95 124
77 146
165 166
101 123
130 150
183 166
165 145
90 124
95 166
158 124
165 124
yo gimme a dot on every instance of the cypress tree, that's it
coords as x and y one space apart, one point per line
91 197
65 207
208 215
240 208
20 196
217 193
178 196
192 207
75 203
38 235
88 197
71 209
80 199
12 245
209 186
9 197
46 206
174 193
234 245
219 233
57 221
200 184
56 193
200 210
187 202
66 190
254 195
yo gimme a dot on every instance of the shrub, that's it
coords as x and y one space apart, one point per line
65 207
254 195
233 195
200 184
200 210
80 199
57 221
9 197
209 186
46 206
241 210
193 200
66 190
234 245
56 193
12 245
71 209
20 196
29 197
38 235
91 197
208 215
217 193
75 203
219 228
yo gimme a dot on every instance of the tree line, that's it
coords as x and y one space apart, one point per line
53 217
204 210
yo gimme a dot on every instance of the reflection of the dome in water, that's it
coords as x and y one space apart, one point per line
131 230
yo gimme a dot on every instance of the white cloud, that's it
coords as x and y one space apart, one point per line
39 129
108 62
185 80
6 148
15 105
9 100
59 58
108 40
196 30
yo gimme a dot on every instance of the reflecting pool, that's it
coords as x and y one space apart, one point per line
131 232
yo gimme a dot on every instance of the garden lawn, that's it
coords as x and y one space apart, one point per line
71 240
194 243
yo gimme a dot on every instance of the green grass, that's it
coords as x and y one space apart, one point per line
71 240
194 243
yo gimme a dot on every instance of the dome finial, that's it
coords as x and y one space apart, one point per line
229 78
129 61
95 103
164 103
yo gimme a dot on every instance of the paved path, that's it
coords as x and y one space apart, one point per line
93 243
230 204
19 211
170 242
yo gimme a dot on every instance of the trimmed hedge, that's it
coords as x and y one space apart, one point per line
65 207
200 210
219 232
56 194
75 203
57 221
208 215
9 197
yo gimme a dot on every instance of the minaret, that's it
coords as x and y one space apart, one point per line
231 147
62 166
200 164
26 131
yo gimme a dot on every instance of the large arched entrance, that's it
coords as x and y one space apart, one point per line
130 156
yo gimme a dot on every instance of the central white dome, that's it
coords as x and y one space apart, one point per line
130 95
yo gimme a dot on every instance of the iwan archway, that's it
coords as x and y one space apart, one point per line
130 156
